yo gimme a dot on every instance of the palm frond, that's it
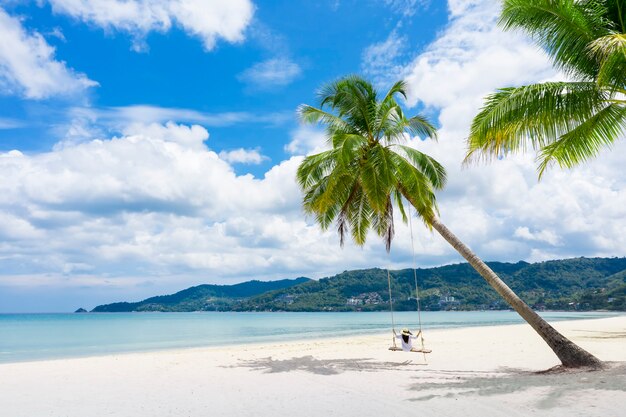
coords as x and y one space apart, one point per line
605 46
563 28
383 223
400 203
610 51
433 170
360 217
586 140
310 115
377 177
343 219
398 88
415 187
420 126
315 167
515 119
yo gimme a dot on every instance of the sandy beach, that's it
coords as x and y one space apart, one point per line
485 371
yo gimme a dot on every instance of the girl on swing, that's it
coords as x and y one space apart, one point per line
406 338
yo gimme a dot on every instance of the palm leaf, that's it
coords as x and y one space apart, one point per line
586 140
532 116
433 170
610 51
563 28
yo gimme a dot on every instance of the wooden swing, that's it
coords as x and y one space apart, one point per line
421 349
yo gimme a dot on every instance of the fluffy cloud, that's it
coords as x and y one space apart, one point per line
381 61
547 236
28 66
471 58
243 156
208 20
306 140
157 203
86 123
406 7
500 209
276 72
121 116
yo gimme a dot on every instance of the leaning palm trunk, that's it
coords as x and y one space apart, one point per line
570 354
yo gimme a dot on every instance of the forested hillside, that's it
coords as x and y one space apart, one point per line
571 284
201 297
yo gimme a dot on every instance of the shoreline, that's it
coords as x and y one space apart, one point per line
290 312
292 338
478 371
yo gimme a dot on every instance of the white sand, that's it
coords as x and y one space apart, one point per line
484 371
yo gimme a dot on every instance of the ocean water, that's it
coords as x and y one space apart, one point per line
25 337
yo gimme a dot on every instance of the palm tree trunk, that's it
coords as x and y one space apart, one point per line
570 354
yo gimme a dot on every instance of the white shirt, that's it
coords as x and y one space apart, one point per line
406 346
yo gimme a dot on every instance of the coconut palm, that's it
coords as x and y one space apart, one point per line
565 122
368 168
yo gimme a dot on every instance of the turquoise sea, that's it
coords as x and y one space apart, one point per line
25 337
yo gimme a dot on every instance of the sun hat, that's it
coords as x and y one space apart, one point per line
406 331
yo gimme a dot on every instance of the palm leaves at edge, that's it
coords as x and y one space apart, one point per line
583 39
538 116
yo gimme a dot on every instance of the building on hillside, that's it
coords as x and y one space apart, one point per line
448 302
364 299
354 301
286 298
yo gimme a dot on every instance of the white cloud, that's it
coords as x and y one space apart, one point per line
382 61
155 199
276 72
157 204
57 33
243 156
187 136
547 236
28 66
86 123
306 140
6 123
500 209
208 20
155 114
406 7
472 57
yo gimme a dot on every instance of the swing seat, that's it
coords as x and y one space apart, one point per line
416 350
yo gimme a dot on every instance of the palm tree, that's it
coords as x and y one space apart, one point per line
356 183
565 122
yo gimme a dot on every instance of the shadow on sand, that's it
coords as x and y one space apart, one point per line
553 385
547 387
325 366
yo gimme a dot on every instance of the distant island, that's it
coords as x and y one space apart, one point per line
581 284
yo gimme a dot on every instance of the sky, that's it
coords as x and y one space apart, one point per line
147 146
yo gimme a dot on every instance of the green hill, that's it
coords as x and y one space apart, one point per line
201 297
570 284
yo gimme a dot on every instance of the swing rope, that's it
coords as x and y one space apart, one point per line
417 296
417 289
393 324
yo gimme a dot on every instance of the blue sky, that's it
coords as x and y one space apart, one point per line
304 43
149 146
